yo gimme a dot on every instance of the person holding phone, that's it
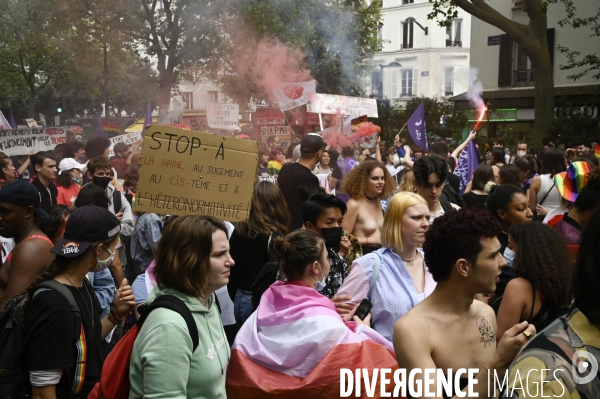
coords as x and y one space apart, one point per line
291 341
403 281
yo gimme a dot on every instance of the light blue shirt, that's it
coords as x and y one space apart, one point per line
394 292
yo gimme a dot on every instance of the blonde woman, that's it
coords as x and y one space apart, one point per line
403 281
367 184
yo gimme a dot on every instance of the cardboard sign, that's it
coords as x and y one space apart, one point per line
341 105
223 116
282 137
128 139
184 172
21 141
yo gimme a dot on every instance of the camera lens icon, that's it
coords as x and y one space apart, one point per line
585 367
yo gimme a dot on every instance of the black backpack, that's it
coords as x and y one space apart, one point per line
12 319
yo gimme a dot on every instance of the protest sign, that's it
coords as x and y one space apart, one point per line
223 116
185 172
292 95
31 122
282 136
21 141
128 139
76 129
342 105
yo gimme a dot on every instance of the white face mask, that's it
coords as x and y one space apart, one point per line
321 284
509 255
521 154
103 264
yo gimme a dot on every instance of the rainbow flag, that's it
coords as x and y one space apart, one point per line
295 344
597 149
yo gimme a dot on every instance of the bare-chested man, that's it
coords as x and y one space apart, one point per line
449 329
19 211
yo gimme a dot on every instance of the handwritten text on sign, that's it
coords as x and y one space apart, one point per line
22 141
343 105
185 172
223 116
128 139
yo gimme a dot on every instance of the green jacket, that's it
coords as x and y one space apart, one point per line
162 364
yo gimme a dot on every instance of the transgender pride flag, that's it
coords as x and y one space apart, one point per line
295 344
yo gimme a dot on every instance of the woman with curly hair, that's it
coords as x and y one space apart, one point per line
539 293
367 184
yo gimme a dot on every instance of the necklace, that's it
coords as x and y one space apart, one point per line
410 262
371 199
90 311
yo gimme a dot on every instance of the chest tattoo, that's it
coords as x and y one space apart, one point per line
486 332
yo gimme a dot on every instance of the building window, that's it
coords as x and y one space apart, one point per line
377 84
408 1
188 99
213 96
523 75
379 37
454 34
407 34
449 81
407 83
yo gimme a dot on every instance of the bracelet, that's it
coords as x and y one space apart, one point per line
115 315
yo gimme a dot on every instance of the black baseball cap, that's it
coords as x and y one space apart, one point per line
23 193
311 143
86 225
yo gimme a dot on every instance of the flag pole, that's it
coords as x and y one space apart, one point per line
402 128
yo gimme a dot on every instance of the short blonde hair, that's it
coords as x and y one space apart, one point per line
391 232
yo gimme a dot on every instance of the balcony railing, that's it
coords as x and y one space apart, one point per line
405 46
452 43
523 78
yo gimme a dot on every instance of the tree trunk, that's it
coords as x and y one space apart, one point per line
541 66
166 85
544 97
31 108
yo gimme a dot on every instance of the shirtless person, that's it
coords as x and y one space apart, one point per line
449 329
367 185
430 177
19 212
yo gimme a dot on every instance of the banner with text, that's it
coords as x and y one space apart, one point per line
223 116
22 141
128 139
342 105
184 172
282 137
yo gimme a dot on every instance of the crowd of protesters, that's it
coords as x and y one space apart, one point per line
503 278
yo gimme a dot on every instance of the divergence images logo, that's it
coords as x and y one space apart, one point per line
585 367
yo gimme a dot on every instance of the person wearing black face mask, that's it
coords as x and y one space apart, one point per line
323 214
99 174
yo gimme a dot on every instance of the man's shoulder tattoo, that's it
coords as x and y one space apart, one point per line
487 334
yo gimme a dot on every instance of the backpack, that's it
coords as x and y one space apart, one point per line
12 319
114 379
117 201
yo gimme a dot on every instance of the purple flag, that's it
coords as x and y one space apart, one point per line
12 122
148 120
416 127
467 163
99 130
